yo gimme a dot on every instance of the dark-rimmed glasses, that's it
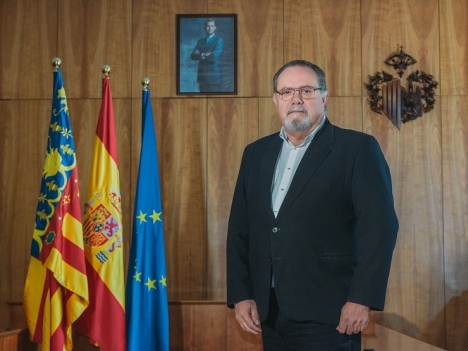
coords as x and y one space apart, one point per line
287 94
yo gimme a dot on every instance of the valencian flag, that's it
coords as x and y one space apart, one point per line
104 320
146 294
56 290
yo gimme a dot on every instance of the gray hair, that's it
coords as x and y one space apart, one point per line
302 63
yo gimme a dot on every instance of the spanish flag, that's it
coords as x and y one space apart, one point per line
56 290
104 320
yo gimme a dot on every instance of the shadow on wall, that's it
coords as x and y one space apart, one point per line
450 325
396 322
449 329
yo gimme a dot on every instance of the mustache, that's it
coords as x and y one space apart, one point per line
296 109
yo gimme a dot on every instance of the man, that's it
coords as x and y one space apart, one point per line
207 52
312 226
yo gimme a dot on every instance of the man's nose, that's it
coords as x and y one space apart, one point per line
297 98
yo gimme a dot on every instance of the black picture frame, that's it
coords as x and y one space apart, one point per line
215 73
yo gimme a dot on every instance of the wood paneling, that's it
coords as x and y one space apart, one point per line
208 326
165 65
16 340
232 124
201 139
455 170
260 42
345 112
91 34
416 286
268 119
453 47
326 33
415 291
28 38
387 25
184 154
23 135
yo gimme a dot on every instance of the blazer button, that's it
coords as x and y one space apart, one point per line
269 259
274 230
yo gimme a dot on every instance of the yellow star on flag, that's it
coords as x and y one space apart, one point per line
150 284
163 281
142 217
156 216
137 276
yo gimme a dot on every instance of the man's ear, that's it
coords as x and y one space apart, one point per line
325 97
275 99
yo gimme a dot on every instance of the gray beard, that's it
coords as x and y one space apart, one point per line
297 125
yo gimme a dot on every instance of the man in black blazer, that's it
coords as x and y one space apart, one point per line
208 51
312 226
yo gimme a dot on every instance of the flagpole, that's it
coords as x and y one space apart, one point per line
56 62
106 70
145 82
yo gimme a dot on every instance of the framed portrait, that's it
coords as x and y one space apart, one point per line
207 54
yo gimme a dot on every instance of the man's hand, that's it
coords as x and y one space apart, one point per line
354 318
247 316
208 53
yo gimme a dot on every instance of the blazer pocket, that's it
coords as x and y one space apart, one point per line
338 265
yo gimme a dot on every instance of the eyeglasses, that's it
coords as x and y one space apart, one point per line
287 94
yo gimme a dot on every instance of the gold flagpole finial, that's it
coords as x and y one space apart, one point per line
56 61
145 82
105 70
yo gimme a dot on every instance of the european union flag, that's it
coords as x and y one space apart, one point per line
146 293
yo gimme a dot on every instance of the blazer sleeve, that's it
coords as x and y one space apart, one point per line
377 225
239 283
216 52
194 55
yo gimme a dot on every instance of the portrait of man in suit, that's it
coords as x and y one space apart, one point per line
312 226
208 52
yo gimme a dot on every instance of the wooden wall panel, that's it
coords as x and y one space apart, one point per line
268 120
345 112
415 294
387 25
453 47
260 42
24 65
455 170
237 338
197 327
166 34
326 33
91 34
184 177
200 140
232 124
208 326
145 45
23 135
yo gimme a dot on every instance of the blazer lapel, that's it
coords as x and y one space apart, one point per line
267 169
316 153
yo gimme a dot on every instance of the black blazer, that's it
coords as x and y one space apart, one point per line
209 69
334 235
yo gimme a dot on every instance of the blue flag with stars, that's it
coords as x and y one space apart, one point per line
146 290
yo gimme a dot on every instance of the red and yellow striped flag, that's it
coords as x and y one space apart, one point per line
56 290
104 320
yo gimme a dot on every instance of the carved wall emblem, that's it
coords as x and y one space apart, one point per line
399 104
